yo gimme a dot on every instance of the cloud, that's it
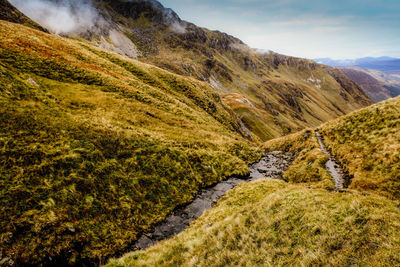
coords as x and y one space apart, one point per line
61 16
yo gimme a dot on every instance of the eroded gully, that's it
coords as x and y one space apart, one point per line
271 166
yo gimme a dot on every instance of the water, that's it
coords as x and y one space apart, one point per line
270 166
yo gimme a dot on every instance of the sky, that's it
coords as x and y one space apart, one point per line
338 29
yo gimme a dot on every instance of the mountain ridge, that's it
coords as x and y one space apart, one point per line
271 94
9 13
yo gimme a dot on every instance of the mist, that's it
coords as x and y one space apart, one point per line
60 16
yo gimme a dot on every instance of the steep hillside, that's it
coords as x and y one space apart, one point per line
9 13
271 223
271 94
367 143
377 85
96 147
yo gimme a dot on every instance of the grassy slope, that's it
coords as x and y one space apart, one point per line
271 223
282 96
95 147
286 94
275 224
367 143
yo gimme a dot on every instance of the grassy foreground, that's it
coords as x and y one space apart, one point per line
271 223
95 147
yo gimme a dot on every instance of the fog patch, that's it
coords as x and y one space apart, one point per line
60 16
245 48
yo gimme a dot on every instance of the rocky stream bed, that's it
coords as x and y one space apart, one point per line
271 166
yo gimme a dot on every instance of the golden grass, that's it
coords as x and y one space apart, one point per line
270 88
367 143
271 223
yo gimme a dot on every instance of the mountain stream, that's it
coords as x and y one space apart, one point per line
270 166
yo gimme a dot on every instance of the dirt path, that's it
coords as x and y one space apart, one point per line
332 165
270 166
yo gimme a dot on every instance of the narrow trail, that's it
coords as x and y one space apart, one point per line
270 166
332 165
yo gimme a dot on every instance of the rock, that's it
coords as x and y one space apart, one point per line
144 242
32 82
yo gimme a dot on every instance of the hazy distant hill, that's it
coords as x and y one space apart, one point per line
385 64
378 77
378 85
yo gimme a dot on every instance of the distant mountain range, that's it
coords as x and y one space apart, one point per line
386 64
378 77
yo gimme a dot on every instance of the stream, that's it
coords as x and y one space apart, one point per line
271 166
332 165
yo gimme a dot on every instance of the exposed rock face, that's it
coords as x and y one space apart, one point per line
149 9
119 43
9 13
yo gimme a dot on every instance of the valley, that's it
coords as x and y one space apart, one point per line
134 138
302 219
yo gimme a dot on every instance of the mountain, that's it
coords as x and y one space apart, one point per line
301 222
385 64
97 147
270 93
378 77
377 85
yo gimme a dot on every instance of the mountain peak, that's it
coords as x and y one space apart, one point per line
135 9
